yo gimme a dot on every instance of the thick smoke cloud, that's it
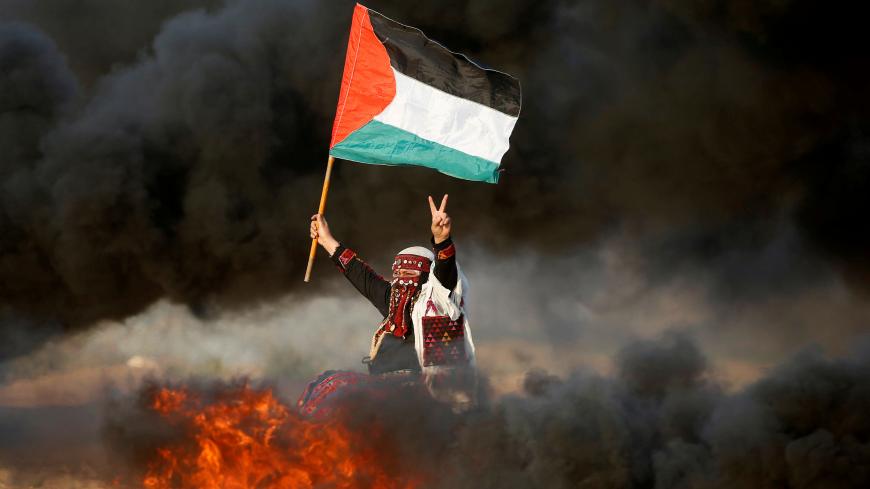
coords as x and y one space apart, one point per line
98 35
188 170
799 426
169 179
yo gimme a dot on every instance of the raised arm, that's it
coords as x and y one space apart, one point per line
371 285
442 245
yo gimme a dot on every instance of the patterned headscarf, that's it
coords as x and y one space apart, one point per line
404 292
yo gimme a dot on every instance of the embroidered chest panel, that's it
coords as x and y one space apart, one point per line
443 341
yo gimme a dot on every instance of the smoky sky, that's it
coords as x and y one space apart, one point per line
660 421
175 150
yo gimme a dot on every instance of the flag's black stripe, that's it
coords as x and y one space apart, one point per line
418 57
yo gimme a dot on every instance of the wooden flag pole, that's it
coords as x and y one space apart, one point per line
320 210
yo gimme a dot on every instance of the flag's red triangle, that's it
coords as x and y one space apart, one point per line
368 84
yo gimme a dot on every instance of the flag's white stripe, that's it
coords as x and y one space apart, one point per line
458 123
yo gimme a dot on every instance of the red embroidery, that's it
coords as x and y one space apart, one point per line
443 341
404 292
402 299
447 252
411 262
316 400
346 256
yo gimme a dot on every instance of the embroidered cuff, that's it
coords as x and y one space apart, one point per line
444 249
342 257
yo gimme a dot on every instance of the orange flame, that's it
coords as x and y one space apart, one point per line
248 439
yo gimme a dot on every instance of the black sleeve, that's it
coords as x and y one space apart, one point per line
445 263
374 287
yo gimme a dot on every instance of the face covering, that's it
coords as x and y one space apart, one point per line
409 273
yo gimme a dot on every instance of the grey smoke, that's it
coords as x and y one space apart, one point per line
799 426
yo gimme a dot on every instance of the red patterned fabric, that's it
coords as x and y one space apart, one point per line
443 341
322 396
315 400
411 262
346 256
447 252
403 294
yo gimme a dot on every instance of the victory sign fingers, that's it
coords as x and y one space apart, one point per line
440 211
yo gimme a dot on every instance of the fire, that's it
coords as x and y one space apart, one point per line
246 438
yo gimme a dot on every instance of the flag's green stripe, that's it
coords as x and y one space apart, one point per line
383 144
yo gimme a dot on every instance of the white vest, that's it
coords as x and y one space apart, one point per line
445 302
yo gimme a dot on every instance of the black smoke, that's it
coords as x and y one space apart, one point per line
99 35
661 421
149 152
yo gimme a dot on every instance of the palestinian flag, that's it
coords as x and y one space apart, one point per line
407 100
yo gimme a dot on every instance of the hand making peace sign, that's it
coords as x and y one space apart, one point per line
440 220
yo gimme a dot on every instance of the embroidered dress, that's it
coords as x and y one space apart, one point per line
425 325
444 346
424 338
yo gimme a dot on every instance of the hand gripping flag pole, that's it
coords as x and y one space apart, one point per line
320 210
406 100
